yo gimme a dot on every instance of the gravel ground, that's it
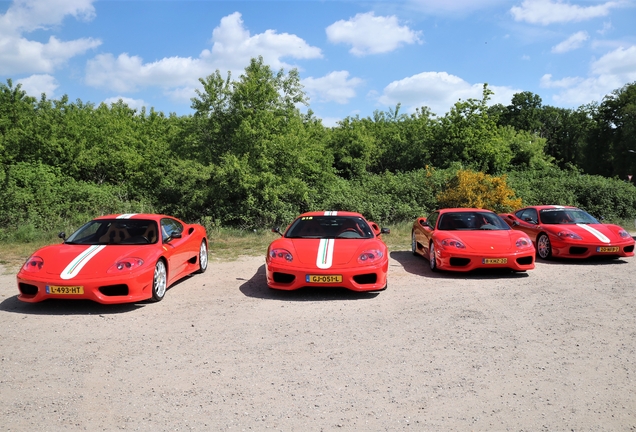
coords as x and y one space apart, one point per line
553 349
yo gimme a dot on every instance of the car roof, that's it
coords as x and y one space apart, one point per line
324 213
135 216
552 206
463 209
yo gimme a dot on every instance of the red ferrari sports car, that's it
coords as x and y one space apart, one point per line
464 239
116 259
329 249
569 232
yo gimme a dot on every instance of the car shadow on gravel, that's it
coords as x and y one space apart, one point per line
257 287
418 265
584 262
65 307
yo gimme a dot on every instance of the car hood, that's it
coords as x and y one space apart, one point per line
590 233
68 261
331 252
487 240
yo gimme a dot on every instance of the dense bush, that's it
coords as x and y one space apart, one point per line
478 190
612 199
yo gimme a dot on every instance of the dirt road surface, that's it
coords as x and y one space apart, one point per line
553 350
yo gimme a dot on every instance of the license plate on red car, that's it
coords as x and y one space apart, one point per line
607 249
495 261
64 290
324 278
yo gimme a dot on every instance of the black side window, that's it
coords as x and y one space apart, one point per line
432 219
170 227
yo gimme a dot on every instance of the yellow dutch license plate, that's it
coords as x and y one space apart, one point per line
324 279
64 290
607 249
495 261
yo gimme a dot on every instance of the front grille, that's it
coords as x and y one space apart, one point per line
366 279
577 250
283 277
459 262
27 289
524 260
114 290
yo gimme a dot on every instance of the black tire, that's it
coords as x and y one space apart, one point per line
159 281
544 247
203 257
431 258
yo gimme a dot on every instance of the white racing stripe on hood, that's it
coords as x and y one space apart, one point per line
80 261
596 233
325 253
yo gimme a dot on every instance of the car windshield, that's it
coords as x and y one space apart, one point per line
115 232
471 220
319 227
566 216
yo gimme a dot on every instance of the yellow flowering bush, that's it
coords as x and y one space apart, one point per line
478 190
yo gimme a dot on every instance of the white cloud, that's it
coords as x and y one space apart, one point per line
136 104
21 55
35 85
548 82
127 73
28 15
610 72
439 91
546 12
607 26
333 87
232 49
573 42
370 34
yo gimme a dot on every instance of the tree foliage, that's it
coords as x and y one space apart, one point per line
253 155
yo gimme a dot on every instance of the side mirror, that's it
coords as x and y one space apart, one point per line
62 235
385 231
277 230
176 235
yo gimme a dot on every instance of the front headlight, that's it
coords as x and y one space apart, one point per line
33 265
370 256
280 255
623 234
524 242
569 235
453 243
126 264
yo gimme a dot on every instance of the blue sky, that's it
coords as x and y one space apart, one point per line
353 57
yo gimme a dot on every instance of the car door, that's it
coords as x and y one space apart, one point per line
528 222
174 242
428 229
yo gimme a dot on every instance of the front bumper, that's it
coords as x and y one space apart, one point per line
128 288
359 278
